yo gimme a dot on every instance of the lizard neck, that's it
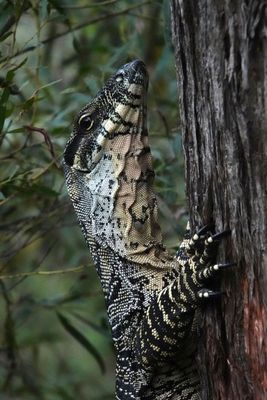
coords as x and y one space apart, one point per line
119 201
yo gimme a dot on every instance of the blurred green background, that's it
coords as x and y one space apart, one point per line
55 55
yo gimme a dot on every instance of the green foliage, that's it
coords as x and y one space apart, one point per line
54 57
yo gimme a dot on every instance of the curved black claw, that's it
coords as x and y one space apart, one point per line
205 274
205 229
209 294
220 235
221 267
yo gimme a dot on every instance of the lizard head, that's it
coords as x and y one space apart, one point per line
119 109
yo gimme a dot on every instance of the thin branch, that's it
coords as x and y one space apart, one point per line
14 18
146 17
164 121
47 139
78 27
44 273
93 5
36 266
27 242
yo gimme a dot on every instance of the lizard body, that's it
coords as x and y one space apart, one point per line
152 298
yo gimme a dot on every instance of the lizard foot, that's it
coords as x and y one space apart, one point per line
197 256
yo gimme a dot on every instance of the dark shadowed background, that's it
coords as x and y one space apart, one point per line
54 56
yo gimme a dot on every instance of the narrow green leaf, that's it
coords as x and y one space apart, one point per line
82 340
5 35
3 106
5 95
20 64
94 326
10 75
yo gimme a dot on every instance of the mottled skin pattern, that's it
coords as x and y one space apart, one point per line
152 298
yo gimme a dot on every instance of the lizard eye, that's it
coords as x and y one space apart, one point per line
85 122
119 78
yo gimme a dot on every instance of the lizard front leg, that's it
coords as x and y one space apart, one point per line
168 322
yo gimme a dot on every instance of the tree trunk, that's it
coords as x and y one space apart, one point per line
221 60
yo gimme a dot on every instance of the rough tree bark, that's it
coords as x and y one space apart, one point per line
221 60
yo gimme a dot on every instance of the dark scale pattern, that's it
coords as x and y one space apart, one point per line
152 298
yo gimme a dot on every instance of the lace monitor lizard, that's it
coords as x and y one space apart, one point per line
152 298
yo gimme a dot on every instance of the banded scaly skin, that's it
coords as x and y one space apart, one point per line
152 298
